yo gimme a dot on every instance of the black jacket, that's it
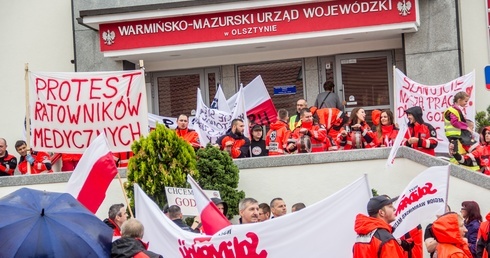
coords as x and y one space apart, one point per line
128 247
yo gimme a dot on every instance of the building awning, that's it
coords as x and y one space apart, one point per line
190 30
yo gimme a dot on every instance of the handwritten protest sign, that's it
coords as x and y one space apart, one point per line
433 100
69 110
184 198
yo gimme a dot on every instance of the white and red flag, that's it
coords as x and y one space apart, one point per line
93 174
258 103
423 198
211 217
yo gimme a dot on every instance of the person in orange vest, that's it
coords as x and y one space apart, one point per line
357 133
278 135
185 133
69 161
308 133
40 161
449 230
331 118
412 243
295 121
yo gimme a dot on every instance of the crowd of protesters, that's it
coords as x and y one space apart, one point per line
320 128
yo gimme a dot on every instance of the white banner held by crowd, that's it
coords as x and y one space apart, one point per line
69 110
288 236
423 198
433 100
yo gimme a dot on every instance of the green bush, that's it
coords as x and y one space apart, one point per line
160 159
482 119
218 172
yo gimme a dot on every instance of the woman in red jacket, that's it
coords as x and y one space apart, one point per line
449 231
386 131
357 133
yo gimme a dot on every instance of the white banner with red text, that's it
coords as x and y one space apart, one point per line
423 198
434 100
292 235
69 110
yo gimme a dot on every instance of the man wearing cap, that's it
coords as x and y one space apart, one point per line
374 237
257 143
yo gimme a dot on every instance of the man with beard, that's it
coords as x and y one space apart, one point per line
234 142
295 121
249 210
374 238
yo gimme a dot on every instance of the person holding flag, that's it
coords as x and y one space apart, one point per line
374 237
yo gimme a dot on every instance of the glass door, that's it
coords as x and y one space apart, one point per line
177 90
365 80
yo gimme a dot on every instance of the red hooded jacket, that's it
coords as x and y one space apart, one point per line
374 239
277 138
450 242
483 241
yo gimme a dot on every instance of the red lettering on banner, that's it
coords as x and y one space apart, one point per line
93 88
79 84
122 135
226 249
110 86
130 75
415 196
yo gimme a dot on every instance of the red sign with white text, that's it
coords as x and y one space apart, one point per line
263 22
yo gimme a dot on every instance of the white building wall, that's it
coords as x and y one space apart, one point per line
475 46
34 32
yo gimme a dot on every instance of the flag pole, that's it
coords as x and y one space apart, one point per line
28 116
125 195
447 186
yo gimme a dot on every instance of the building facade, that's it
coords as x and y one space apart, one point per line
294 45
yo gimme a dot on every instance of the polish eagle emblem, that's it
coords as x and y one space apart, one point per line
108 37
404 7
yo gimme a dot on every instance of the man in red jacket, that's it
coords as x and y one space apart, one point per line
8 162
185 133
40 161
234 141
374 237
315 133
278 134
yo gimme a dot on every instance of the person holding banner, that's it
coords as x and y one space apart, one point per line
234 141
420 135
374 237
449 231
386 129
40 161
185 133
357 134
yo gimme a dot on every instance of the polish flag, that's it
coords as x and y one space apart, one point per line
211 217
93 174
258 103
